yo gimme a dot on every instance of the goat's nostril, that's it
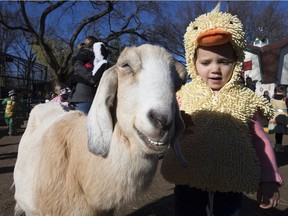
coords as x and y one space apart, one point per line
158 120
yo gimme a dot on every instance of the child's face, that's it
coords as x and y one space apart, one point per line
215 65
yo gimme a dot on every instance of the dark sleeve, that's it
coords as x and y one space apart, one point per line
76 78
82 74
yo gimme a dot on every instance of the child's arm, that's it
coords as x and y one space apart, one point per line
268 194
265 152
4 102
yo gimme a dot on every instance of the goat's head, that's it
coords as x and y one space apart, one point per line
141 87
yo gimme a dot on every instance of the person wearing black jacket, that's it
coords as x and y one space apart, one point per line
88 66
280 104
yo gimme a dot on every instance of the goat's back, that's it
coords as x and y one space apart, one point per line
36 144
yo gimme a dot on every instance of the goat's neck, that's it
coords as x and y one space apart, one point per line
127 155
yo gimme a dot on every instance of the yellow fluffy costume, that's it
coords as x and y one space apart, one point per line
217 142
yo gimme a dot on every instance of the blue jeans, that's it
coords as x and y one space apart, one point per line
191 201
84 107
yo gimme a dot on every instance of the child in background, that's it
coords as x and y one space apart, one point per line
62 98
10 104
266 95
51 95
227 150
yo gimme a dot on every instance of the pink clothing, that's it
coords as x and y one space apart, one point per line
60 100
265 152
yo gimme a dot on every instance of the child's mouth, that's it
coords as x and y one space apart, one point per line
216 80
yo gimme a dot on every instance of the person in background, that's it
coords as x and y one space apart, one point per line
63 96
226 148
10 105
250 84
280 118
83 81
266 95
51 95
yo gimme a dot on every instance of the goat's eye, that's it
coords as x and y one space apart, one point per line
231 22
195 28
124 65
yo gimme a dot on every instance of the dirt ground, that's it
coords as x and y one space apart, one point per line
157 201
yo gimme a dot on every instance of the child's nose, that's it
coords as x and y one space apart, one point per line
215 68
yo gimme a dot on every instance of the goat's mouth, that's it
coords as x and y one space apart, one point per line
155 146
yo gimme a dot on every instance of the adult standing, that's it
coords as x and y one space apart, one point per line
279 104
84 82
10 104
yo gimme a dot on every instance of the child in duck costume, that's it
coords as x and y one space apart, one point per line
226 148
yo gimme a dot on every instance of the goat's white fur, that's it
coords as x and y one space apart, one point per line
55 174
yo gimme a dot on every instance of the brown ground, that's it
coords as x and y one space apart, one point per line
157 201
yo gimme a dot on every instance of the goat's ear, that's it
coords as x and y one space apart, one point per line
100 121
181 75
179 129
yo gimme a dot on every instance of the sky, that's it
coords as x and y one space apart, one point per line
66 24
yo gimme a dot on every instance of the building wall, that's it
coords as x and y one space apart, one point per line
282 73
255 74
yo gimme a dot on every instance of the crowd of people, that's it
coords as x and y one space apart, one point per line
78 92
222 118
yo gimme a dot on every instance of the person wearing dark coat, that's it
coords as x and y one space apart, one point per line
280 104
87 75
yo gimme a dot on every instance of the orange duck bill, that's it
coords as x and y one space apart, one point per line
214 37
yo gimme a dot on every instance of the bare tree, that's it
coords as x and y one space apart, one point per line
108 20
60 25
21 49
268 21
171 21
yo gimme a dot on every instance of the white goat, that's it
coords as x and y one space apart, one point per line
134 116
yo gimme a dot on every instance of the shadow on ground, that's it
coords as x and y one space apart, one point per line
165 207
282 158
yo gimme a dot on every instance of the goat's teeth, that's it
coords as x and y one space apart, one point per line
154 142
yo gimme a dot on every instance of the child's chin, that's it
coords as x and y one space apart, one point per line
215 89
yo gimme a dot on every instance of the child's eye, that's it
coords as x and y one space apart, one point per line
205 63
226 62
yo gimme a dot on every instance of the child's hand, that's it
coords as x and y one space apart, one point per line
268 195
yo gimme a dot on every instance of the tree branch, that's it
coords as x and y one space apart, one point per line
46 12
